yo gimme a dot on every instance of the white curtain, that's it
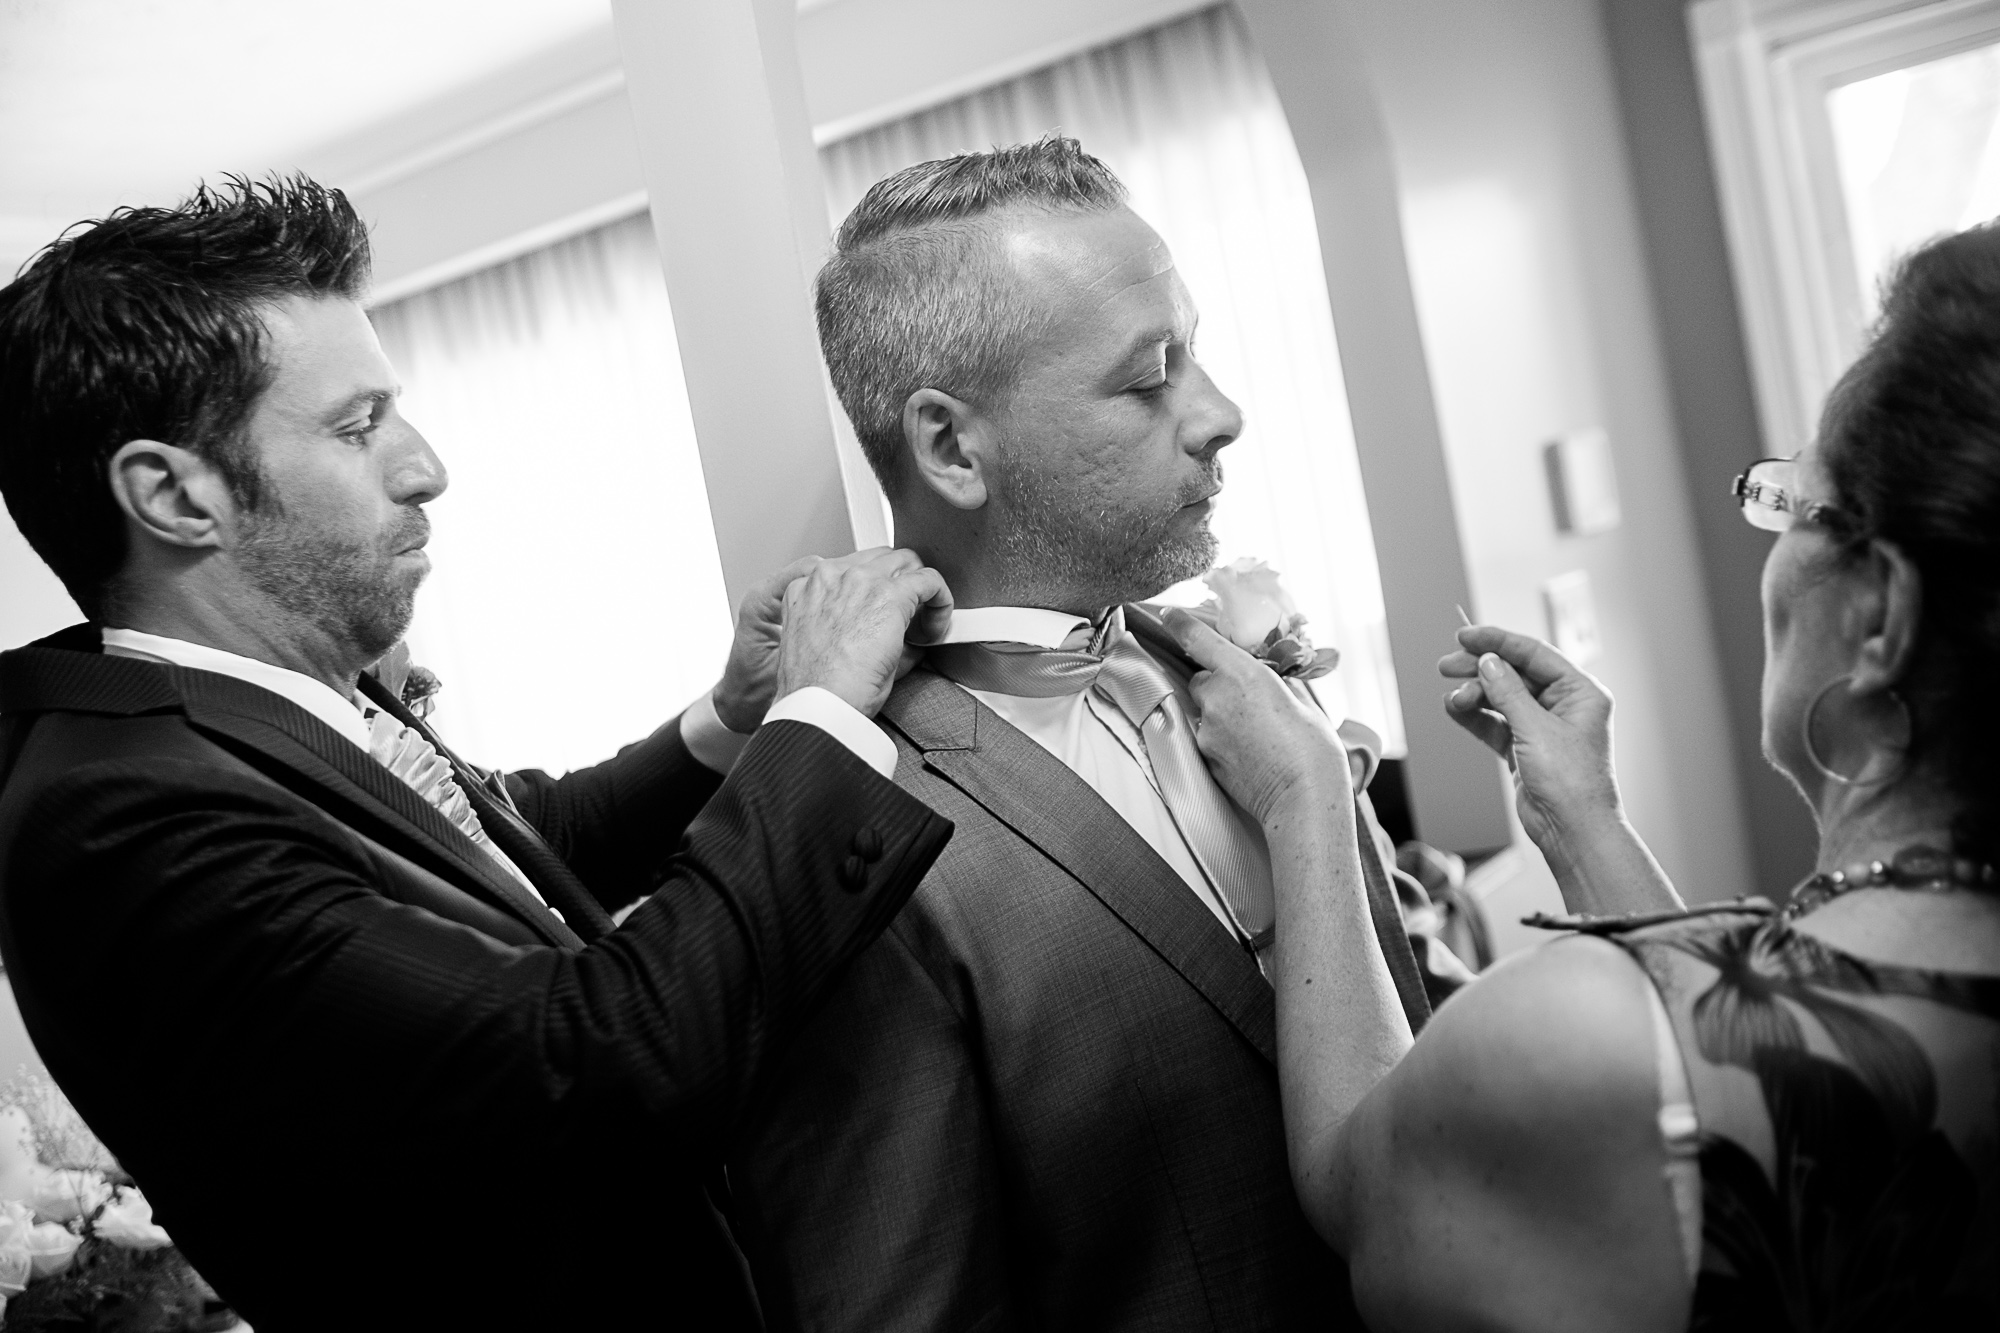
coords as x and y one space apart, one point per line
1187 117
576 600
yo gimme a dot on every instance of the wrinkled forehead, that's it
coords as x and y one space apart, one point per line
1091 268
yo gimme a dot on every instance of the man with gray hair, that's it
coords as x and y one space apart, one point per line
1047 1096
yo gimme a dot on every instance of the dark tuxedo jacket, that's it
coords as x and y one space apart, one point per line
368 1081
1047 1097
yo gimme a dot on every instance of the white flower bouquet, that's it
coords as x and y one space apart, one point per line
79 1249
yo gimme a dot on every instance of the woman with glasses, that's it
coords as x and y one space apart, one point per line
1739 1116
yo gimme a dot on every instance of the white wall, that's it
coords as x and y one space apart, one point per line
32 602
1525 253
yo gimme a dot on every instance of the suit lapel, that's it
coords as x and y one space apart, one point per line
1036 795
1390 932
523 844
356 786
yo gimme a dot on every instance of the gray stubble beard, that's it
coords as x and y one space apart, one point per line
1086 559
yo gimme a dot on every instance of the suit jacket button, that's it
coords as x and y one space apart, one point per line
868 845
854 874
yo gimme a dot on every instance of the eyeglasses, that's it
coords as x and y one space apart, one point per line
1768 492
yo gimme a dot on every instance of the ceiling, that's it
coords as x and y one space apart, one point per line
107 102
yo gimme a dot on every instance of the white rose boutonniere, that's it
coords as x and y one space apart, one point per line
1254 612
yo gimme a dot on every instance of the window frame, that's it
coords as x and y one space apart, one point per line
1765 70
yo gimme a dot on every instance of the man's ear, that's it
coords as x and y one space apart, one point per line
1895 606
951 447
172 494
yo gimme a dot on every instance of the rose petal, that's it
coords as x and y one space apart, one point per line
1323 663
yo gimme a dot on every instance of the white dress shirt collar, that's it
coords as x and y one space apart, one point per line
343 715
1011 624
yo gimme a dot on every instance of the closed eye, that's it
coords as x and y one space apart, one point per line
357 432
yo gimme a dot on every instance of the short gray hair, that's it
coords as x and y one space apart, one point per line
914 296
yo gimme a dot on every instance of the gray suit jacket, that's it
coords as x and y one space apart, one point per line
1047 1096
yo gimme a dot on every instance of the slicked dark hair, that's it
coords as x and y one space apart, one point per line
147 325
915 296
1911 444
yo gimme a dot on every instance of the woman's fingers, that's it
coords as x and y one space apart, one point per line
1532 657
1505 690
1209 649
1460 665
1466 706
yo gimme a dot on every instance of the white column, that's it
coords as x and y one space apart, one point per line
733 183
1457 795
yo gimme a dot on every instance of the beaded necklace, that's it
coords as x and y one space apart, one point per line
1920 869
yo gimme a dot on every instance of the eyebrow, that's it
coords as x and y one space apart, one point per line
353 403
1165 333
1150 339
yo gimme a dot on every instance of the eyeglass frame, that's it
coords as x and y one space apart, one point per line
1789 509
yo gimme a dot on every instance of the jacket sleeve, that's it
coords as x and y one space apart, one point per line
1378 865
617 824
867 1186
205 937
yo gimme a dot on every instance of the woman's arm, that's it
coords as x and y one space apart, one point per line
1507 1174
1341 1025
1552 724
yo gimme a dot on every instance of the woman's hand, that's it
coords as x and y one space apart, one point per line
1552 724
1268 748
1546 718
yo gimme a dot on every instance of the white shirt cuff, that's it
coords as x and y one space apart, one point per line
714 745
839 719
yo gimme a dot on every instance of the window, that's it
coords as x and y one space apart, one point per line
577 601
1917 155
1845 133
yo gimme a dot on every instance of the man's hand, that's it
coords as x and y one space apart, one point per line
750 681
850 624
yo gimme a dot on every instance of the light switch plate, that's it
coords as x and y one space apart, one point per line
1583 488
1573 617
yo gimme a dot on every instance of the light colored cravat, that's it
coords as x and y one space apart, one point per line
1110 662
405 753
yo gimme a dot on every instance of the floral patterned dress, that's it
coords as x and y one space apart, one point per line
1848 1127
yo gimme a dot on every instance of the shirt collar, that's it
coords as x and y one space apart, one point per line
1011 624
343 715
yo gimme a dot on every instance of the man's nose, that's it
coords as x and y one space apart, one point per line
416 475
1215 421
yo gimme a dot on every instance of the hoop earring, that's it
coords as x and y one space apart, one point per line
1812 751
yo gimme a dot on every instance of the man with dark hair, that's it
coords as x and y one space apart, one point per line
1046 1097
352 1011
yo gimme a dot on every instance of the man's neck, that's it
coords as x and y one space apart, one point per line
974 585
307 652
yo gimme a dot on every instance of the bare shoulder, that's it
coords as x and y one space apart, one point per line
1520 1136
1568 1017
